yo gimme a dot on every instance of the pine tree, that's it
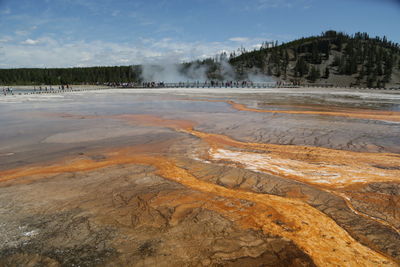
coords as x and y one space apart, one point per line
326 75
370 82
301 67
362 73
398 64
342 67
388 67
336 61
314 74
269 70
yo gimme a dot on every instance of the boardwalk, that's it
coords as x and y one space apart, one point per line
155 85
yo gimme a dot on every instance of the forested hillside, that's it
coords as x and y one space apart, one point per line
332 57
90 75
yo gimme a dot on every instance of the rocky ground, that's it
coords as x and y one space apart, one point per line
132 179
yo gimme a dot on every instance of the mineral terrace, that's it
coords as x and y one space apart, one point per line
194 177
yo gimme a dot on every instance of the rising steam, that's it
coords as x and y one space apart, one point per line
199 72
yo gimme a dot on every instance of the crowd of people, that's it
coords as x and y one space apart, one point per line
153 84
120 84
61 87
8 91
211 83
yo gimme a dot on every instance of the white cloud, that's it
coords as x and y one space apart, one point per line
30 42
239 39
5 39
49 52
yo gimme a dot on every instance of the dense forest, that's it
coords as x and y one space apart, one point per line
332 57
91 75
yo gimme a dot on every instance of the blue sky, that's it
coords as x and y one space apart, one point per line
66 33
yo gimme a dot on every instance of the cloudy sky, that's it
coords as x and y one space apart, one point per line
66 33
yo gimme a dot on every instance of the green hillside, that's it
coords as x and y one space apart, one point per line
332 57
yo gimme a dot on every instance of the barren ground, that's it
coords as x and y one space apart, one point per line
192 177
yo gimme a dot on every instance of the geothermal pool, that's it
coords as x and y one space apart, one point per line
229 176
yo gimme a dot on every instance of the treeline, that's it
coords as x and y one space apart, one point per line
368 60
90 75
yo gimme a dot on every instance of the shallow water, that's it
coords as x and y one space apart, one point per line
30 119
